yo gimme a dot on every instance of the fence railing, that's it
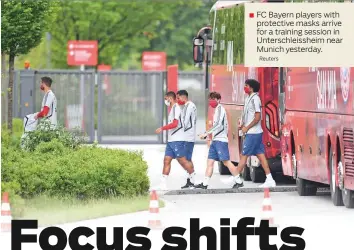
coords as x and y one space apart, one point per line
110 106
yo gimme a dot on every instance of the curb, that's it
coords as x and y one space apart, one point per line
229 190
278 189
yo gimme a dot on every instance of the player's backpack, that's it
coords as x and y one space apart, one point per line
29 124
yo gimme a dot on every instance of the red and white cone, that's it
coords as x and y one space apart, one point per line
5 213
267 208
154 220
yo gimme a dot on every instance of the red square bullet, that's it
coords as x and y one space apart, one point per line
251 15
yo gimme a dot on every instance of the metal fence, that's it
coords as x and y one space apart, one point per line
130 107
75 93
111 107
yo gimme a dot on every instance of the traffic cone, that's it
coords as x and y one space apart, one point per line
5 213
267 208
154 221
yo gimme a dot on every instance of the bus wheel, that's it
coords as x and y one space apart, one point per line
257 174
348 198
304 187
336 194
223 170
246 170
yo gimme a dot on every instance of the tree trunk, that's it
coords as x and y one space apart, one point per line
9 92
4 83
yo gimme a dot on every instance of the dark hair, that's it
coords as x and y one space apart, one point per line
254 84
171 94
182 92
47 81
214 95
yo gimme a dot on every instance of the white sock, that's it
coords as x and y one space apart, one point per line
269 176
238 178
191 177
164 178
206 181
187 174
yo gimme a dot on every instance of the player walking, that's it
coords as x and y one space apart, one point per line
175 148
219 148
253 133
189 120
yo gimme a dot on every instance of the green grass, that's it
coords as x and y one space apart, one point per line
49 211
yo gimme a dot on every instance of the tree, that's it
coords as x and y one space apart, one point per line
175 35
22 26
119 26
125 29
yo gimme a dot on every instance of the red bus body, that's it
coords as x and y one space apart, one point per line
311 108
228 76
319 123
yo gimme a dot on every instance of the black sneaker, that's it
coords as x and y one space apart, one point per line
201 186
189 184
238 185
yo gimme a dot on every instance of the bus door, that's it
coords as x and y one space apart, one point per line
269 95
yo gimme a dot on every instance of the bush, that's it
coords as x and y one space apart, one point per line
56 164
46 133
17 127
88 172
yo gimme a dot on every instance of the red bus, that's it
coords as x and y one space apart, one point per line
318 130
227 76
316 110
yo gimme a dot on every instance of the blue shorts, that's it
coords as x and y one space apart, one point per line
175 149
253 144
189 146
219 151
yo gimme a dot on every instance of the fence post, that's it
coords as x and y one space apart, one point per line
15 96
99 108
27 92
162 105
92 106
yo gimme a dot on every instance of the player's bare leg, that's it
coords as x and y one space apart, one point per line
165 173
241 164
189 168
269 182
264 163
166 165
235 180
231 167
208 174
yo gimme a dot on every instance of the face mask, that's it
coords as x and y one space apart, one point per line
213 103
181 102
246 89
167 103
42 87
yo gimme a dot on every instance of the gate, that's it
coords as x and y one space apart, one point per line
130 107
74 91
111 107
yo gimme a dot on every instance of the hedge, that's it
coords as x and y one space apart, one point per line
57 165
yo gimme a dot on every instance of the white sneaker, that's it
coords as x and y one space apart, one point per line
229 181
161 187
270 182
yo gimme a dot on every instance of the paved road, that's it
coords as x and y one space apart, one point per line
154 154
326 226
